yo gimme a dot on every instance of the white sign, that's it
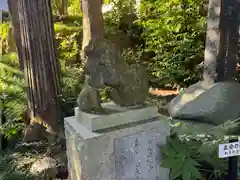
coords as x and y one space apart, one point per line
229 149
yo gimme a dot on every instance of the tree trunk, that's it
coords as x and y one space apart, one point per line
221 47
64 6
38 53
92 20
230 27
61 7
213 42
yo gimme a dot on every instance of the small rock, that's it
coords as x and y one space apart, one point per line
46 167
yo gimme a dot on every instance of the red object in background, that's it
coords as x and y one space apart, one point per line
238 67
161 92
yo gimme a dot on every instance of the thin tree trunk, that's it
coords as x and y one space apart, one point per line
92 20
41 67
61 6
64 7
212 46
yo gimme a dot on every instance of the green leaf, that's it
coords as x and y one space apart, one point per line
194 171
168 151
169 162
193 162
8 68
178 27
175 172
179 147
186 175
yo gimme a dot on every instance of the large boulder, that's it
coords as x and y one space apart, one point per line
213 104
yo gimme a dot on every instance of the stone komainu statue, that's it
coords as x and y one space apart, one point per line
104 67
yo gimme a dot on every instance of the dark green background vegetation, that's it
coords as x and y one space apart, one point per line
167 37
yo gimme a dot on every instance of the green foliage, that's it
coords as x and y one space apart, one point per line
133 56
123 10
12 94
119 23
8 170
74 7
174 31
192 154
179 160
71 85
68 24
106 1
67 41
4 29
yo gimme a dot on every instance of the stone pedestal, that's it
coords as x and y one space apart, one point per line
122 145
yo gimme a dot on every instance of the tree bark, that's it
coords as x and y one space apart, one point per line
64 6
230 26
212 46
221 47
61 7
38 53
92 20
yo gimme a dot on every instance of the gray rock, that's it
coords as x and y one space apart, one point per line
213 104
46 167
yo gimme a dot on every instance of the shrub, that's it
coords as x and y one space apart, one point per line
194 147
74 7
174 31
12 94
119 24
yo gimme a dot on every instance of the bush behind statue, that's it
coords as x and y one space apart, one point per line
175 31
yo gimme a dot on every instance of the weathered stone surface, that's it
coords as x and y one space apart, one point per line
89 98
120 153
105 68
132 89
116 116
46 167
214 104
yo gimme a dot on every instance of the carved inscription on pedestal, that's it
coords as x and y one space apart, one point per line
137 157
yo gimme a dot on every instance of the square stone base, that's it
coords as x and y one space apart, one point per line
126 152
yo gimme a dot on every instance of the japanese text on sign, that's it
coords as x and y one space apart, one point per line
229 150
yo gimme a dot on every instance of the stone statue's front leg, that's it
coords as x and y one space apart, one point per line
95 101
89 99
